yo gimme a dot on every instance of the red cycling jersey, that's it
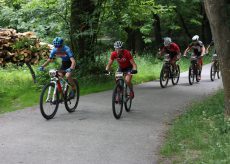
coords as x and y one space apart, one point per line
124 61
172 49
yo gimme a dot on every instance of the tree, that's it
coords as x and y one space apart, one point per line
218 12
136 19
84 21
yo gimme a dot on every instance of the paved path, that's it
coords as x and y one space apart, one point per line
92 135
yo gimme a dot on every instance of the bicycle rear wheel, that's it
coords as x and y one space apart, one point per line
71 103
164 76
212 72
117 101
128 99
218 70
191 75
176 75
198 75
49 101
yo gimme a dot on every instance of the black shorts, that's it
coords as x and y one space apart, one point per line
125 70
65 65
172 55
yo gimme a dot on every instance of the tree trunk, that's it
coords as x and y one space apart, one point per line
181 18
139 42
130 40
218 13
84 23
206 30
32 72
135 41
157 30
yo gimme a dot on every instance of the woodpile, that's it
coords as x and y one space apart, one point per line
20 48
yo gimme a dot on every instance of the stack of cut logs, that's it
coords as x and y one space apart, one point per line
20 48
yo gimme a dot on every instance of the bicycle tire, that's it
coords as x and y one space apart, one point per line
175 79
218 70
42 105
127 100
164 76
117 99
68 101
198 73
212 72
191 75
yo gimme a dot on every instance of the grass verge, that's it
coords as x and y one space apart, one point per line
200 135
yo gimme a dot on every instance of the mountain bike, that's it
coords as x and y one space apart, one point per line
55 92
168 72
121 96
215 68
194 71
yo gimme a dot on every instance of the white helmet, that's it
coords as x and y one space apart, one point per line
118 44
167 41
195 37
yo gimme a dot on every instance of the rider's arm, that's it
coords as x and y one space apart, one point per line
202 51
47 62
109 65
207 49
187 49
133 64
161 51
73 63
51 57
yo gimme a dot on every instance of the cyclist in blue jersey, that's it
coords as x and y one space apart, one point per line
68 61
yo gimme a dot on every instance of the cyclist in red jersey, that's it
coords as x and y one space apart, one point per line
172 49
126 64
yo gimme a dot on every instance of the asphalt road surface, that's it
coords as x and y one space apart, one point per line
91 135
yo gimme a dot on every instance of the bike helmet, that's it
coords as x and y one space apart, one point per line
58 42
118 44
195 38
167 41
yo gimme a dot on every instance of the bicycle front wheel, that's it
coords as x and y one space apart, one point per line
212 72
198 75
191 75
49 101
176 75
128 99
71 103
117 101
164 76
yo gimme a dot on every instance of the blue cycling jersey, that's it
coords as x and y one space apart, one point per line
65 53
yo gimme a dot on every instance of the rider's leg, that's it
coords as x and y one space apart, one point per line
128 79
61 74
200 63
173 63
71 81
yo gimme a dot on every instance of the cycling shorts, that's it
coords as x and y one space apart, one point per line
125 70
65 65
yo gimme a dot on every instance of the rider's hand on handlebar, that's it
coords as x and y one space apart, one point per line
133 71
106 72
69 70
41 68
185 56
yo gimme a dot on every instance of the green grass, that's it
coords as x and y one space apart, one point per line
201 135
17 90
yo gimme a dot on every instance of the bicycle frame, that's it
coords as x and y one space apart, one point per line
55 79
215 59
194 62
120 79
